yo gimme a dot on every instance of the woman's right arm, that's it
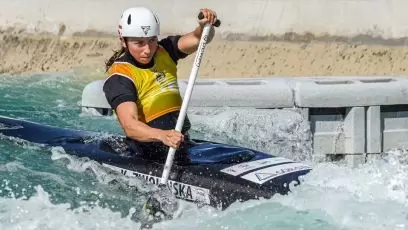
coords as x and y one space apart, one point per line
121 94
137 130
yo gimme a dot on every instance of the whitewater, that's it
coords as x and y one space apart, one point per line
42 188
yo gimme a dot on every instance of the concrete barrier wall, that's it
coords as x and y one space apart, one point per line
354 117
384 18
350 116
318 92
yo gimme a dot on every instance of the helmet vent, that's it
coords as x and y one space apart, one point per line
129 19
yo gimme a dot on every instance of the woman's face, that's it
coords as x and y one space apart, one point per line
142 49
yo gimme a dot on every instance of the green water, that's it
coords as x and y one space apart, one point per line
44 188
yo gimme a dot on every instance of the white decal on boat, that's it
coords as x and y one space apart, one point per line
263 175
180 190
248 166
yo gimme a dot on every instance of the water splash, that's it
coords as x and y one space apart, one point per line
38 212
279 132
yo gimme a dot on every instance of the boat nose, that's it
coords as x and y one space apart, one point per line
282 184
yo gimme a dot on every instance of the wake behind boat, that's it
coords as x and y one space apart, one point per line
216 174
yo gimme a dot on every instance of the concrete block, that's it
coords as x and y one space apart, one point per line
395 139
374 136
349 92
328 135
328 143
395 128
263 93
354 130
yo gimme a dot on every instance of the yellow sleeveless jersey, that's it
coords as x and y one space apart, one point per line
157 87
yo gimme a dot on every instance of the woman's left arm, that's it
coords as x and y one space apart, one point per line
188 43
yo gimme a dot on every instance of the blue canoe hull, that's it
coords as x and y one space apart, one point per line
216 174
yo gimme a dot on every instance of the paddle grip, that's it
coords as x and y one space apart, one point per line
217 23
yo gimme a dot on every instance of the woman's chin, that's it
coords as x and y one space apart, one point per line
144 60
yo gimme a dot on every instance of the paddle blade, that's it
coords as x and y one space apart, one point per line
161 205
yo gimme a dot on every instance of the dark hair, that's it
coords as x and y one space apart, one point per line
116 55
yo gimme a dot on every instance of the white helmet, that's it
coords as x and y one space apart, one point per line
139 22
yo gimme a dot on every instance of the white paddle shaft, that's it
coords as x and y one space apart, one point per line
186 100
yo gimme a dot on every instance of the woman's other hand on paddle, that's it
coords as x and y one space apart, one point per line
172 138
209 17
188 43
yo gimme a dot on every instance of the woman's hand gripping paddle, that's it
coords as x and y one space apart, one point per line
161 204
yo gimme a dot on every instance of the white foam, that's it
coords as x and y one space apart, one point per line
101 173
38 212
278 132
373 196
